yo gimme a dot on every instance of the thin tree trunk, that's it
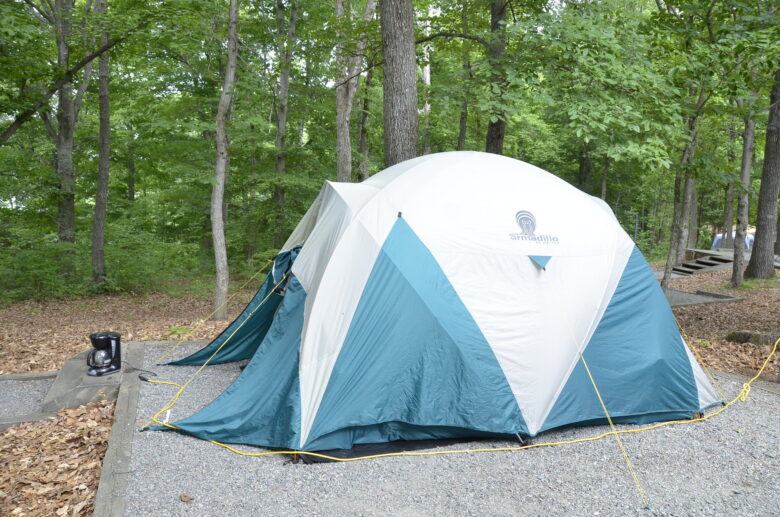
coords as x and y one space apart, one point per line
345 90
680 184
748 137
66 230
464 106
463 124
221 167
285 44
363 126
496 131
400 80
586 167
604 176
693 221
131 164
689 187
727 237
104 155
426 109
777 239
761 263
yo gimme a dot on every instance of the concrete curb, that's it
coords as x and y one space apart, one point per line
115 473
5 423
771 387
31 376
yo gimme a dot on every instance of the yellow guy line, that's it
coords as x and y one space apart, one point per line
621 446
175 398
631 469
201 322
741 396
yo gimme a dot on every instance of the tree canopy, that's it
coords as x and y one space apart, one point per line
644 104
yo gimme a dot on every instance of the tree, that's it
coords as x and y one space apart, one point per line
761 263
400 80
496 130
104 153
348 67
221 167
285 42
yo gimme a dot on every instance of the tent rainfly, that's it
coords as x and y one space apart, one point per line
453 295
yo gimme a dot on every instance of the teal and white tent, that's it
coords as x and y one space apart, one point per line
453 295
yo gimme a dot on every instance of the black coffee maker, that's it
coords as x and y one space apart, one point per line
106 356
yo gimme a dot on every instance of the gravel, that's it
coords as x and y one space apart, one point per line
729 465
23 397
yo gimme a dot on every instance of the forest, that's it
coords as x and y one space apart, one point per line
147 144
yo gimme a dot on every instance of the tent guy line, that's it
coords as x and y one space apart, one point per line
741 396
176 345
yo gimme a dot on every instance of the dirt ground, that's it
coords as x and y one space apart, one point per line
41 335
705 326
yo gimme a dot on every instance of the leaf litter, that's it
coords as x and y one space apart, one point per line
53 467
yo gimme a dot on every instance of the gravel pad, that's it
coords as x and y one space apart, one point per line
23 397
726 466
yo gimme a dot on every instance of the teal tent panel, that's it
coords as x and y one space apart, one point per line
637 358
540 260
262 406
414 364
241 338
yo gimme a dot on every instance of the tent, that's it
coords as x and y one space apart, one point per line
719 241
453 295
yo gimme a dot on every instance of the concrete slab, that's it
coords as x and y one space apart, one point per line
23 397
73 387
681 298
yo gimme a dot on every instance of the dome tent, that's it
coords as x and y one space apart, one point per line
453 295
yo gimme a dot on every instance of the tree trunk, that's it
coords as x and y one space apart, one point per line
66 229
285 44
680 189
689 187
349 66
363 126
693 221
761 263
426 109
464 106
748 136
727 238
104 155
777 240
221 167
400 80
463 124
604 176
586 167
494 140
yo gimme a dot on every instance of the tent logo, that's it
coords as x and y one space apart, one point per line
527 223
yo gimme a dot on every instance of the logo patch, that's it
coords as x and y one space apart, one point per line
527 223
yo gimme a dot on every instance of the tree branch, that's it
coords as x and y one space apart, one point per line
49 127
24 116
452 35
39 13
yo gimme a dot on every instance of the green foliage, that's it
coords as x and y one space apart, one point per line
37 266
605 82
